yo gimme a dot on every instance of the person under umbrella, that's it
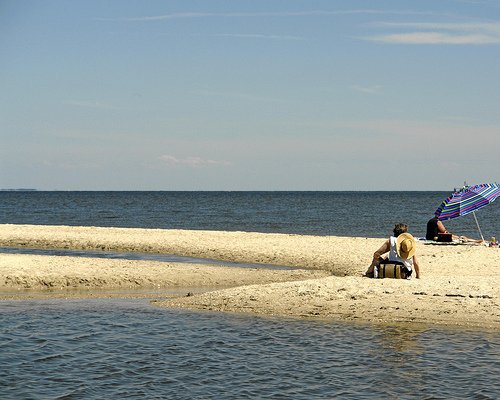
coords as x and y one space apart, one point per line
435 227
467 200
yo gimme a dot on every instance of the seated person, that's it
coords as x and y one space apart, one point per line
401 248
435 227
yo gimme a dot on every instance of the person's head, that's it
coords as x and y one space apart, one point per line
399 229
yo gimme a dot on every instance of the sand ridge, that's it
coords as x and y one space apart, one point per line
43 272
459 284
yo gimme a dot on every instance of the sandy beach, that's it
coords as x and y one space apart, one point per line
459 283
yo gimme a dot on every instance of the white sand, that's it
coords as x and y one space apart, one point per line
459 284
40 272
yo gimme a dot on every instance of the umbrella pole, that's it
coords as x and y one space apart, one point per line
477 223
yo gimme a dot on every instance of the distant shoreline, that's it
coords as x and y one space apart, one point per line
19 190
446 191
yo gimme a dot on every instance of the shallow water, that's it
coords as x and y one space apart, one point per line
96 349
136 256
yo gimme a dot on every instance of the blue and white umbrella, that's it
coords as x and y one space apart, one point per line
468 200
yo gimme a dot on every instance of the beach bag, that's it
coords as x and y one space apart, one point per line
393 270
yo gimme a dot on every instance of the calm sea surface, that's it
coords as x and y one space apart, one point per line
94 349
122 349
369 214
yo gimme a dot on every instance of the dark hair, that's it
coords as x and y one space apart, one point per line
399 229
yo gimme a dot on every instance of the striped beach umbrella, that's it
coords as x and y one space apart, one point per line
468 200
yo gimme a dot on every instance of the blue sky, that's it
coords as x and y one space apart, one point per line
249 95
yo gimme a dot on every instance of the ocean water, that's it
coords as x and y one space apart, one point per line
128 349
367 214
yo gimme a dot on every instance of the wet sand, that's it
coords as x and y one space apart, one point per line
62 273
459 284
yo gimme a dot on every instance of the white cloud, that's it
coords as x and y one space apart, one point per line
367 89
492 27
441 33
193 162
436 38
319 13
